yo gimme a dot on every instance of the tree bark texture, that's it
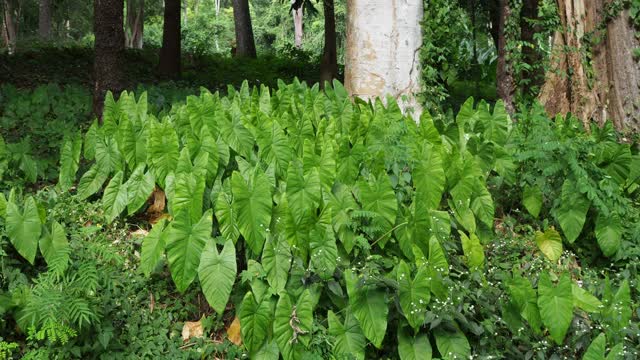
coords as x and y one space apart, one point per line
534 77
382 50
298 25
135 24
606 85
329 64
245 44
505 82
109 51
170 52
44 19
9 29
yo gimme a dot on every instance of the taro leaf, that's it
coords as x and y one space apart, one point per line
217 273
115 197
369 307
550 243
556 305
54 247
349 340
24 228
184 246
276 260
256 319
153 247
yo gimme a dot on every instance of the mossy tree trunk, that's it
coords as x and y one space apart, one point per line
245 44
329 65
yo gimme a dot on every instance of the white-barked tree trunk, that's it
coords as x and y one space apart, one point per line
382 51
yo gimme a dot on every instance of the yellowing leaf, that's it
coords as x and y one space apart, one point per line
550 243
233 332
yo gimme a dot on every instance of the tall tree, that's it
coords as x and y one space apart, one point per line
170 52
44 19
108 64
505 82
10 27
245 44
606 85
381 55
329 64
134 35
298 16
533 74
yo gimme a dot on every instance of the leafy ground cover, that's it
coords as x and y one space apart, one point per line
293 222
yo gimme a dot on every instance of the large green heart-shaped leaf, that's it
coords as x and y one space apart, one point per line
369 307
292 325
255 321
24 228
609 234
163 150
556 305
532 200
184 246
69 161
153 247
550 243
92 181
584 300
115 197
276 260
412 347
324 251
429 177
414 293
572 213
226 215
349 340
303 191
452 344
473 250
140 185
596 350
54 247
252 202
217 273
524 296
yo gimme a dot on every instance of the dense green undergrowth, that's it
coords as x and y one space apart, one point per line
329 229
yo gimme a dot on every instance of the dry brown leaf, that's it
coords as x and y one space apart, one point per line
233 332
192 329
140 233
159 201
152 303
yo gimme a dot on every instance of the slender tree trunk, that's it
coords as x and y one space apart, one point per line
533 77
607 84
329 65
44 19
135 24
170 53
382 51
245 45
505 83
109 50
297 25
10 28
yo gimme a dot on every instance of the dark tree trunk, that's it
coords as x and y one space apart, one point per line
170 52
505 82
109 50
135 24
245 45
329 65
9 28
44 19
534 76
